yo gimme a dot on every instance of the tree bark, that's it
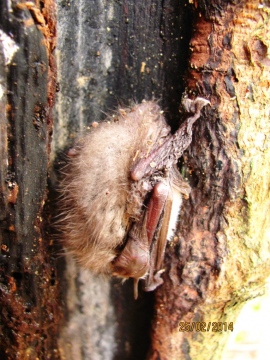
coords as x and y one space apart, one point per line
111 52
220 256
28 289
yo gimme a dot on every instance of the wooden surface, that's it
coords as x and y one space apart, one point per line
28 292
136 51
109 53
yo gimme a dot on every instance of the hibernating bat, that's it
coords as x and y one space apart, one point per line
122 192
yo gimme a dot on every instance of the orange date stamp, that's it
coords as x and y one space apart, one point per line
201 326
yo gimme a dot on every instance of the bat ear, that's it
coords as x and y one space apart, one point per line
136 284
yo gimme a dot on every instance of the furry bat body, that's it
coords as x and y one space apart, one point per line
122 192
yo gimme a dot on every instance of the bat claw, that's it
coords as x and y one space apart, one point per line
194 106
156 281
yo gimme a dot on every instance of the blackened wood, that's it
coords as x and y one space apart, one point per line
111 53
28 292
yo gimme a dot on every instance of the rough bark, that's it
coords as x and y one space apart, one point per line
116 51
28 289
222 258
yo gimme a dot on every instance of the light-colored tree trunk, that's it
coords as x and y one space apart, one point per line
223 257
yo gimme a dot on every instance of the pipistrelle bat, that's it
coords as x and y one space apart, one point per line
122 192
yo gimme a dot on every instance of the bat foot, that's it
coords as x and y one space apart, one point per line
156 281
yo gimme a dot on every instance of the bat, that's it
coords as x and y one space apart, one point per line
121 192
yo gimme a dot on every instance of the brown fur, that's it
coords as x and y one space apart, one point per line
97 200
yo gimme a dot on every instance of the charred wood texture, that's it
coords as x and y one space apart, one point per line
28 289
